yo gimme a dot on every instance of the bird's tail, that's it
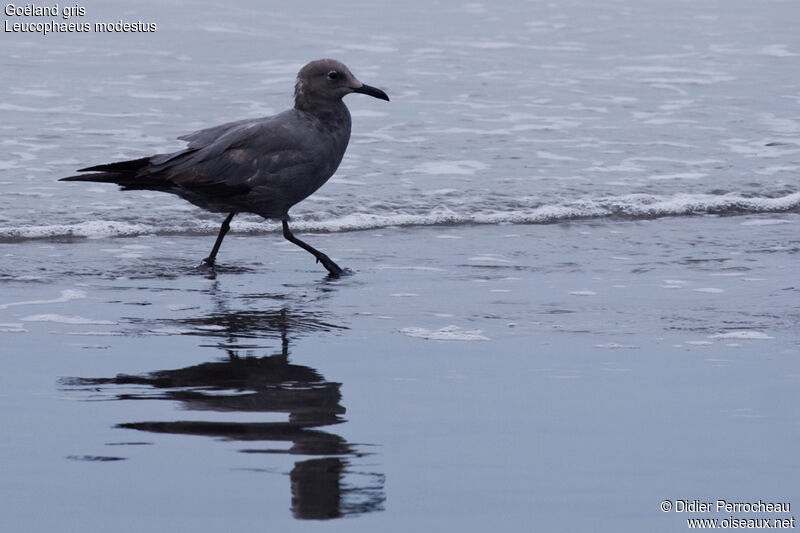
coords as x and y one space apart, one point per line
131 174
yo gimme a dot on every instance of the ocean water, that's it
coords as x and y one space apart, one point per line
574 237
525 113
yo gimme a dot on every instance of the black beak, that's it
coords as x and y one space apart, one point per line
372 91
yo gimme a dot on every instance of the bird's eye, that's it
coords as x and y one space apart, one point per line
333 75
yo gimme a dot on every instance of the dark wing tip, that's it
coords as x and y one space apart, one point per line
129 166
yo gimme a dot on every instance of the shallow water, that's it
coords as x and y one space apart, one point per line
574 238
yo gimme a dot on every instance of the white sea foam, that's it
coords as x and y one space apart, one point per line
435 210
155 96
776 169
91 229
65 319
94 333
39 93
742 334
463 167
616 346
447 333
679 176
66 295
171 331
663 75
211 327
181 307
489 258
777 50
12 327
474 8
486 45
410 267
554 157
765 222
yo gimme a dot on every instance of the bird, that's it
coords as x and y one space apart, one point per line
263 165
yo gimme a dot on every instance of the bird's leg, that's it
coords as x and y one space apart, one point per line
222 231
332 267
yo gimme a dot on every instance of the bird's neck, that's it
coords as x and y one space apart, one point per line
331 113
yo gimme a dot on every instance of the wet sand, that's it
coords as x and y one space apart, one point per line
468 377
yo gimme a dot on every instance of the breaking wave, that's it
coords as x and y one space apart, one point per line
633 206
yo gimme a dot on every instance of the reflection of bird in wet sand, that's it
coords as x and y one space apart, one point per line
262 166
266 384
269 384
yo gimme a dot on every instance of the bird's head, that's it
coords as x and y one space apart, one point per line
329 80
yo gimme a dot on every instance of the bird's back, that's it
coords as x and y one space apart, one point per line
263 165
